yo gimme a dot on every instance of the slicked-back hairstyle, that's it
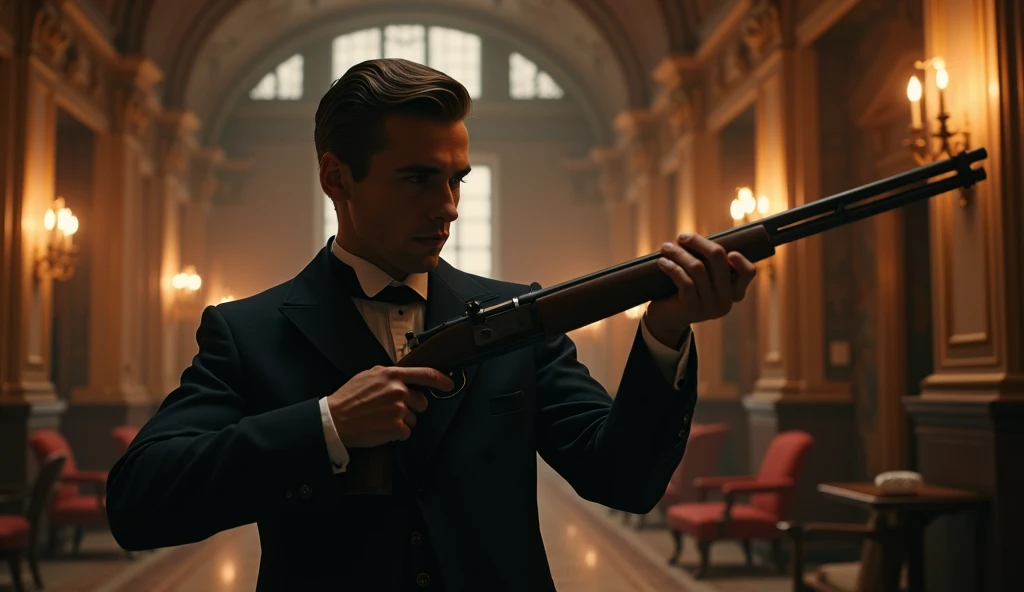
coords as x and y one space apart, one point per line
350 117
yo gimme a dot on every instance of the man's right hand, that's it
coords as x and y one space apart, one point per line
377 406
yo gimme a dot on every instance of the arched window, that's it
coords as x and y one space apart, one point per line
451 51
283 83
527 81
469 245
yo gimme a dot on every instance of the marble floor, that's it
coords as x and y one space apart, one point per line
588 550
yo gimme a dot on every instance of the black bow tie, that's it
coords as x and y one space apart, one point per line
402 294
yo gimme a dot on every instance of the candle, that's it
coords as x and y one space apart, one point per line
914 92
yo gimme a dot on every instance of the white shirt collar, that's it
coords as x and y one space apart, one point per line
374 279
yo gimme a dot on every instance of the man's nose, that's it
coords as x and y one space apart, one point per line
446 209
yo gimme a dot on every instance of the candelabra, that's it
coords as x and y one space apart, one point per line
745 209
925 144
57 260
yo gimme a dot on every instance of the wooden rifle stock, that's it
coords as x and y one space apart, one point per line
488 332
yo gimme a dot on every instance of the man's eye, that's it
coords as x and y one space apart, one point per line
417 179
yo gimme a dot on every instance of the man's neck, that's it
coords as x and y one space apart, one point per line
370 257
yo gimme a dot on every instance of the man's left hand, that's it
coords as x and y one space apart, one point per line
707 286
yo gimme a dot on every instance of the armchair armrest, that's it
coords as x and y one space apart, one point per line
94 477
735 487
13 497
718 482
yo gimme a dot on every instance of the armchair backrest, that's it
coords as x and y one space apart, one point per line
783 460
703 450
123 436
46 443
42 492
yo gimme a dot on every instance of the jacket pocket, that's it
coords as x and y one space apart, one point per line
509 403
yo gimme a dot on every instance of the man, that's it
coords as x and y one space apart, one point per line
290 383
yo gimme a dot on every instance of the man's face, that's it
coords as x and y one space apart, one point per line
398 216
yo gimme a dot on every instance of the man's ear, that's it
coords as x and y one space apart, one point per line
335 177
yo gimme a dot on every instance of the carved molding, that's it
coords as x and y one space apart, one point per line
757 35
135 104
679 101
51 35
65 51
177 142
611 173
640 139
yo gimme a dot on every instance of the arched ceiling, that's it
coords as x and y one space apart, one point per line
610 45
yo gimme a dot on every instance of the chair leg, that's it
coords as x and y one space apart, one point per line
52 540
14 561
79 533
777 555
705 555
746 553
33 564
677 538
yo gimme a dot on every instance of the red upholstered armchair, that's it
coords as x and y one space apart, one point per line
71 506
123 436
703 451
19 532
771 495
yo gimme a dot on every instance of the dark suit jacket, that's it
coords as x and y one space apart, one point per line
241 441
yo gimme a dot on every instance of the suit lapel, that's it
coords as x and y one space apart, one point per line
321 309
448 292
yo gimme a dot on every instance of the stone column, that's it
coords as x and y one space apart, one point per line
116 393
969 419
27 156
640 141
792 391
170 189
622 236
698 208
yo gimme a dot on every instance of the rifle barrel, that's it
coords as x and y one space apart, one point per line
826 213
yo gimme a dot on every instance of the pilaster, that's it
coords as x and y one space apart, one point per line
968 417
116 392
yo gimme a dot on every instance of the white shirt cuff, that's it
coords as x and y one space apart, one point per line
671 362
335 449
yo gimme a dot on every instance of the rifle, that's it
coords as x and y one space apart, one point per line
483 333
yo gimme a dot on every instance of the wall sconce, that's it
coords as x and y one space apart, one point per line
186 291
950 143
745 209
58 259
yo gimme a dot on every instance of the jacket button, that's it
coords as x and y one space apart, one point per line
305 492
421 489
423 580
416 539
288 494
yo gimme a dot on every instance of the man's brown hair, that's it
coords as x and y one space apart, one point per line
350 118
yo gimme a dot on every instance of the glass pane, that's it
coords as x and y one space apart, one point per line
474 208
522 77
478 183
457 54
407 42
289 78
547 88
474 233
266 89
453 236
330 219
477 261
354 48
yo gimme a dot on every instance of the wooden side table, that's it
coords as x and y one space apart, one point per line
911 514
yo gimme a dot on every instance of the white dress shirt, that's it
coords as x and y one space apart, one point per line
390 322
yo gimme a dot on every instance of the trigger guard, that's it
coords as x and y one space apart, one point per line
458 387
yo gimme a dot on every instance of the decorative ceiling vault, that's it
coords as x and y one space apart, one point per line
612 46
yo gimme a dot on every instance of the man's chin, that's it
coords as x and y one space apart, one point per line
424 264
